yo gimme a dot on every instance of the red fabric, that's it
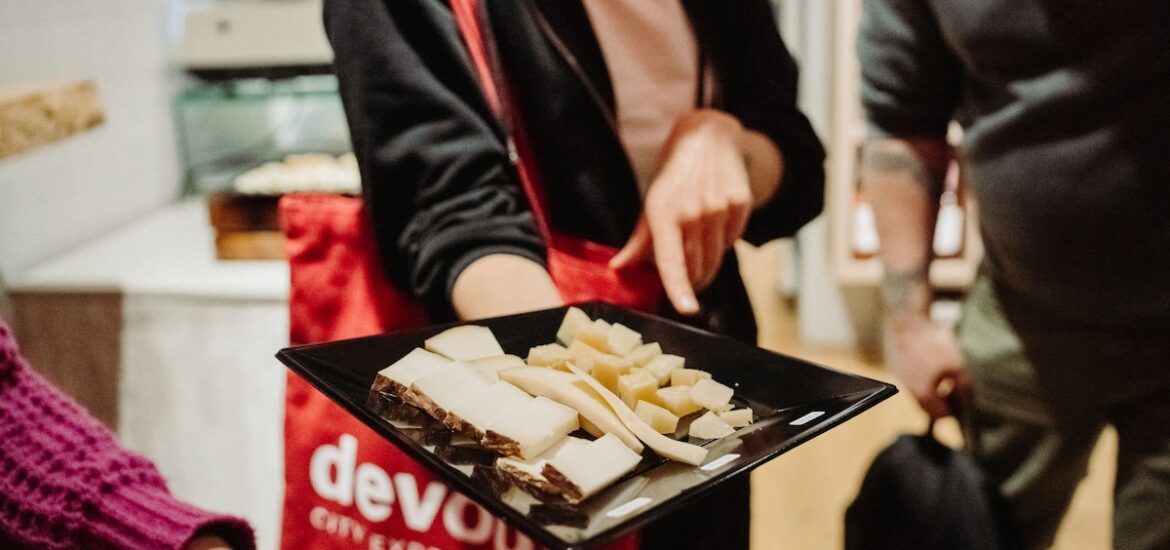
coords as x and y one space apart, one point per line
345 486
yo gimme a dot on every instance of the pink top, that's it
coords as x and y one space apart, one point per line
653 60
65 482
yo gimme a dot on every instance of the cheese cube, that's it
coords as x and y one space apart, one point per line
607 368
663 365
737 418
710 394
687 377
637 386
622 339
573 321
644 353
662 420
583 355
595 334
710 426
549 355
677 400
464 343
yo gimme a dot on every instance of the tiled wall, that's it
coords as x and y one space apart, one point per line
55 197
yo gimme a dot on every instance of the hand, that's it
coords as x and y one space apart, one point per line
695 209
928 361
207 542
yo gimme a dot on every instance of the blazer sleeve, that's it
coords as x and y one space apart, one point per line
758 84
435 171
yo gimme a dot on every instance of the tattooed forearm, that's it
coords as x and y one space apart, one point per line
884 157
904 289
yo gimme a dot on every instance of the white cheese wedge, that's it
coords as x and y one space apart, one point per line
445 387
528 474
665 446
574 319
737 418
568 390
481 409
710 394
663 365
583 472
397 378
464 343
710 426
491 366
530 429
622 340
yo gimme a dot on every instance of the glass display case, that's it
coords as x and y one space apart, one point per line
227 128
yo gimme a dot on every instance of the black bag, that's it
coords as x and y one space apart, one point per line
922 495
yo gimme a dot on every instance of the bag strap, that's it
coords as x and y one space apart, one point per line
467 19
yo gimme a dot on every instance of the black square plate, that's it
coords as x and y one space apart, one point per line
792 401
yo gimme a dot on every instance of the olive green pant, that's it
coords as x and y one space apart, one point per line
1043 391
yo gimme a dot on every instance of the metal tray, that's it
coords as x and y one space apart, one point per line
792 401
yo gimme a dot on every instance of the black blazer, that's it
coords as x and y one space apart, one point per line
435 170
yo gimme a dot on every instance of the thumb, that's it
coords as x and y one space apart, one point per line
639 248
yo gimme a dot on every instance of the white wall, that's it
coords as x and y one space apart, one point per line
55 197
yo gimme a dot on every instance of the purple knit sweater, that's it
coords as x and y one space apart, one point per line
65 482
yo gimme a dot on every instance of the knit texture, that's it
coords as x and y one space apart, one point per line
65 483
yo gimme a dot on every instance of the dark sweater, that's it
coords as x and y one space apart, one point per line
435 170
1066 108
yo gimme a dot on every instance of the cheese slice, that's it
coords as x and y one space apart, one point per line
530 429
568 390
446 387
665 446
397 378
583 472
473 415
464 343
527 474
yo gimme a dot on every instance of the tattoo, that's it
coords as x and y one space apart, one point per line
900 285
887 158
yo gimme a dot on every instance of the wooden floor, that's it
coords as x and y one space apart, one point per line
799 499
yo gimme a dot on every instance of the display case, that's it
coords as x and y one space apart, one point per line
227 128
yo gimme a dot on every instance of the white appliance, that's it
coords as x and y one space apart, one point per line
250 34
